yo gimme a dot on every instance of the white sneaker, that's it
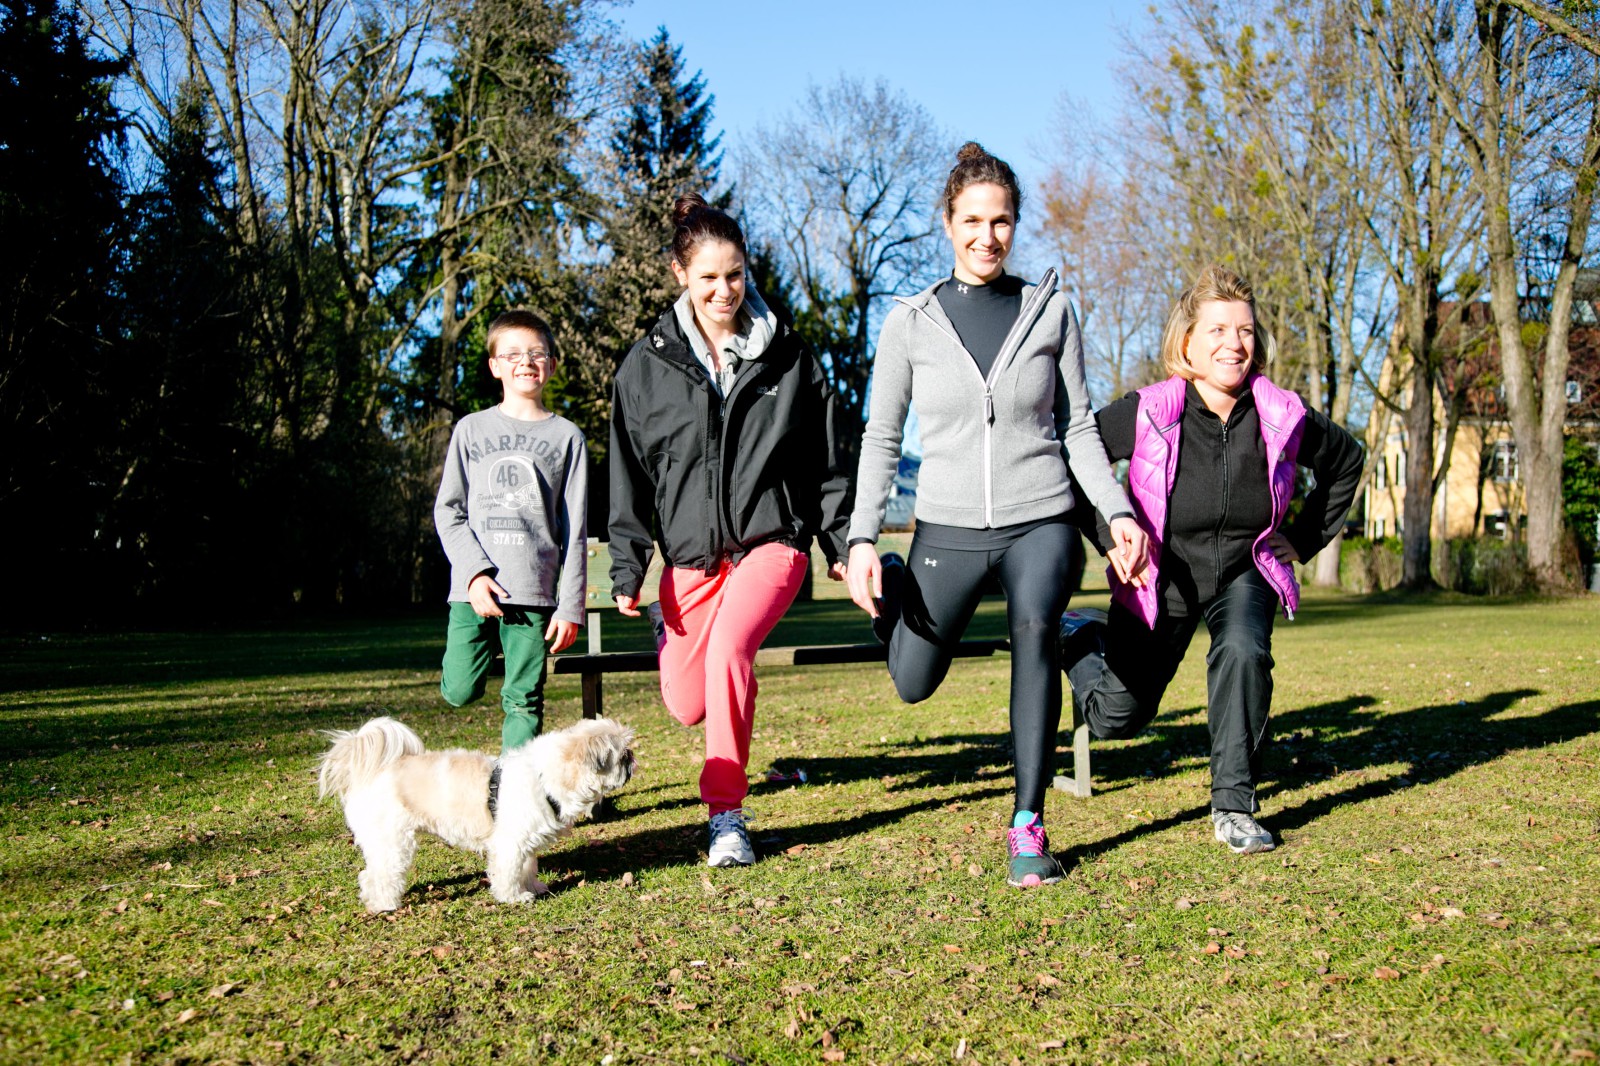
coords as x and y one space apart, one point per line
1242 833
730 840
658 625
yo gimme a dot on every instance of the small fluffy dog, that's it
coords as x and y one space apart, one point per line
508 809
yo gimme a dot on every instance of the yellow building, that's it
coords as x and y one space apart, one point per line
1482 492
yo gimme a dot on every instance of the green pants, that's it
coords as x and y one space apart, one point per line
469 648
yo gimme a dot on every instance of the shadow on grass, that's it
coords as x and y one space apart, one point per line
684 845
1373 739
121 660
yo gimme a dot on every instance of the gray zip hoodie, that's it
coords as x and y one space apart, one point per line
512 503
995 451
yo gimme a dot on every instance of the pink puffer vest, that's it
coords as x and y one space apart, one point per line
1154 467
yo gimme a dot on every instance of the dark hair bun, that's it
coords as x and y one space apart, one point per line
694 222
685 206
974 166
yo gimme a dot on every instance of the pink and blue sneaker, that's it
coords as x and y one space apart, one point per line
1031 862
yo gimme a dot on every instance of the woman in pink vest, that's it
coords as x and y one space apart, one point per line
1212 454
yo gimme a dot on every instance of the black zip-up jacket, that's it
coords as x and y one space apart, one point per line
708 478
1220 498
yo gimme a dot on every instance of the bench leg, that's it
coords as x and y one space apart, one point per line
594 704
1079 784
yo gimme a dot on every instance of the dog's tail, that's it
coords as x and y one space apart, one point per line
358 755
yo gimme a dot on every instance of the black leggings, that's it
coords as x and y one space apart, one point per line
942 588
1120 691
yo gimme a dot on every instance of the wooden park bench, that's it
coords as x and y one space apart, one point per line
595 663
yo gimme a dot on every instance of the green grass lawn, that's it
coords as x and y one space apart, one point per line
171 890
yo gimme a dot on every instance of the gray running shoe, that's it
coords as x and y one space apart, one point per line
1081 633
730 840
1242 833
894 581
658 625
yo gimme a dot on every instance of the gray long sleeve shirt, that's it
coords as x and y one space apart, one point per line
996 448
512 504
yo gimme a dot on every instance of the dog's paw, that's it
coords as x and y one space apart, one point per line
519 896
536 886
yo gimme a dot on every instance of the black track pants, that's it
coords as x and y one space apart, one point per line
942 588
1119 693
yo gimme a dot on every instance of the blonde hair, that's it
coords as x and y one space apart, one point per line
1216 282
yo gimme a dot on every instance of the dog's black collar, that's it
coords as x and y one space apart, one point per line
494 794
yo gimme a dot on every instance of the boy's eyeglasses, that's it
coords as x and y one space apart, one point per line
518 358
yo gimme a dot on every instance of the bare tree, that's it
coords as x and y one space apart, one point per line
1422 224
845 186
1526 102
1094 220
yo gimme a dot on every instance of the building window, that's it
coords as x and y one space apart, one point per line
1497 524
1574 391
1380 476
1503 466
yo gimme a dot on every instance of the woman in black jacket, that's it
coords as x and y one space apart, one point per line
722 452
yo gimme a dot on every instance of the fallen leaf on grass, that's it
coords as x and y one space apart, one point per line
952 949
162 997
797 849
798 989
1211 948
1385 973
1048 980
829 1038
1184 904
1233 951
1581 1053
1052 1045
222 990
836 1055
211 903
792 1030
188 1015
122 906
682 1006
443 951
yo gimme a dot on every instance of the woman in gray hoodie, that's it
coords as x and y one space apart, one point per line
994 368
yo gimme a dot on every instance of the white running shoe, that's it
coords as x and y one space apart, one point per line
730 840
1242 833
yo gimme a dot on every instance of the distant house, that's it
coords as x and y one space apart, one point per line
901 510
1482 492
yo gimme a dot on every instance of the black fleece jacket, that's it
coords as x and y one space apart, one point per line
710 479
1221 501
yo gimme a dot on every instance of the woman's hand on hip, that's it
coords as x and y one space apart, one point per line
1130 552
628 605
1281 547
865 574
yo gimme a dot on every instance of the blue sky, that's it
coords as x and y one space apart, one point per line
982 78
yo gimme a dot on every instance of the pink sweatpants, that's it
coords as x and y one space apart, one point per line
715 623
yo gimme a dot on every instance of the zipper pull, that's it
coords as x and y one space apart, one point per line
988 407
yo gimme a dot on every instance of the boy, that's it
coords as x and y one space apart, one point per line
511 515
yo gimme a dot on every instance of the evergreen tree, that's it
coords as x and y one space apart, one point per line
662 147
59 217
181 453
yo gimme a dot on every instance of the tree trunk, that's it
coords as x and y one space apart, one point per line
1416 553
